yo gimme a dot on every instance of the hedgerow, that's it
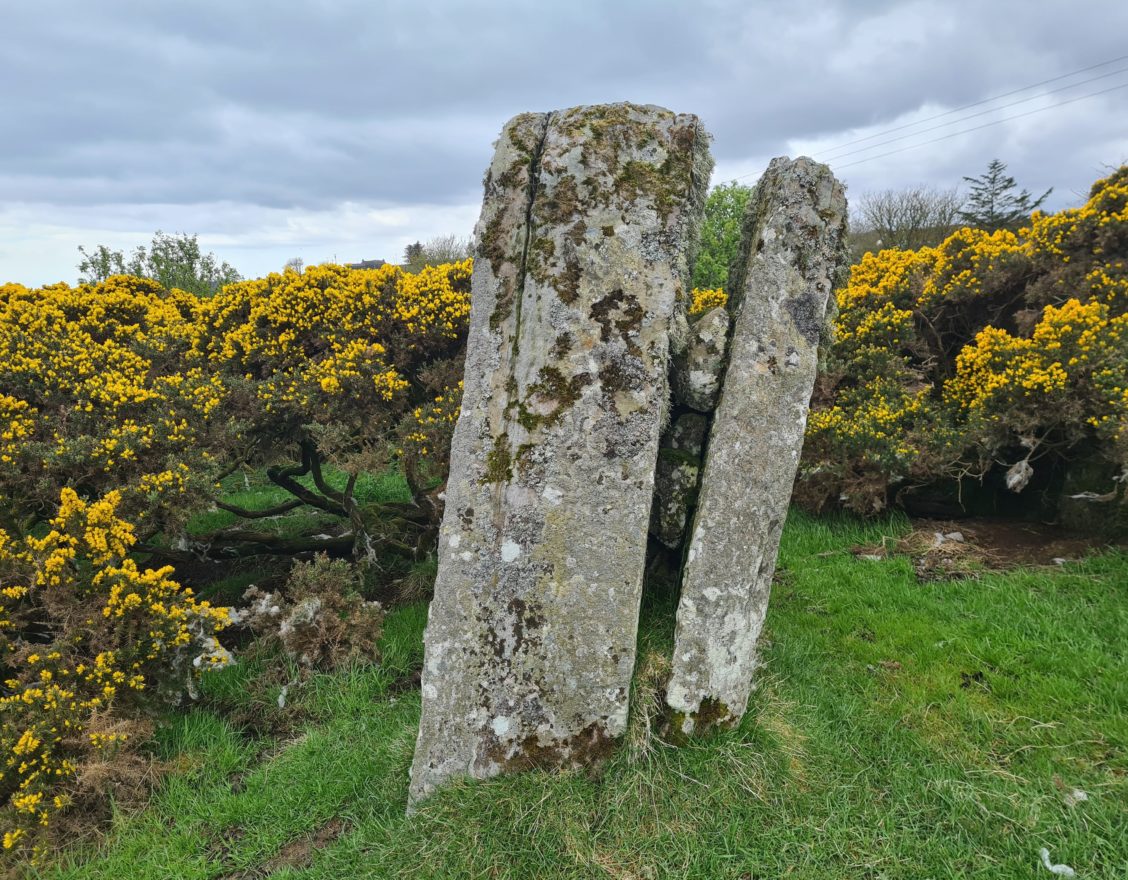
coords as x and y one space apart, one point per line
992 353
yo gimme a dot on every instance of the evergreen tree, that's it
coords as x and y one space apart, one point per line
993 203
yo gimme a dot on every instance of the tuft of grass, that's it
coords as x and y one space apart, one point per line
899 730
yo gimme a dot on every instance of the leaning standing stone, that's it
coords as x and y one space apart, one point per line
791 257
581 260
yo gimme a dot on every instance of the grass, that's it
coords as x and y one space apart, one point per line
900 730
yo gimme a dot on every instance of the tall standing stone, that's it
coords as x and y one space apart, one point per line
791 256
581 261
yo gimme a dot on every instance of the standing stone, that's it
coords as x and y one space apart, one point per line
791 256
580 265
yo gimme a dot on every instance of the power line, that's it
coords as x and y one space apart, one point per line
977 103
985 125
968 107
827 158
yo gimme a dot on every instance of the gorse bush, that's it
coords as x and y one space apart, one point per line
123 406
705 299
88 642
102 393
992 351
349 351
124 386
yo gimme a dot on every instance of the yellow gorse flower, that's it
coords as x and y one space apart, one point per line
946 353
55 690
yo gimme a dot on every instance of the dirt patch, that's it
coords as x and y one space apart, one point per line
224 844
299 853
942 549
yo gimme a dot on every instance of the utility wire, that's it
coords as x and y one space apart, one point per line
826 157
977 103
985 125
889 131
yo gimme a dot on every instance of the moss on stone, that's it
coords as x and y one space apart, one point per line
493 245
551 386
561 346
503 308
557 206
666 185
541 252
567 282
586 749
678 456
712 714
499 461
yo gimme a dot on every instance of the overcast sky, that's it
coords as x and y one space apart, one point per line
345 129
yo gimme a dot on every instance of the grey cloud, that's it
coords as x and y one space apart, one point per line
303 106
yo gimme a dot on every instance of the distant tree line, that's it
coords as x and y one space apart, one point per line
175 261
921 216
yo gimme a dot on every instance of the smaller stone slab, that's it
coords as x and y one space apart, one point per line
699 369
792 255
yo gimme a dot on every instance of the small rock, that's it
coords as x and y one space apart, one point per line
675 489
1074 797
696 374
1018 475
687 434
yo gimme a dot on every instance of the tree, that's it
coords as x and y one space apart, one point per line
436 252
720 234
295 263
413 255
910 218
175 261
993 203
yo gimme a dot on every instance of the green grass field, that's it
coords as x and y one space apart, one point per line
900 730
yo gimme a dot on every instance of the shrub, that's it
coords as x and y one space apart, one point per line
320 619
705 299
991 351
99 391
90 642
125 386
